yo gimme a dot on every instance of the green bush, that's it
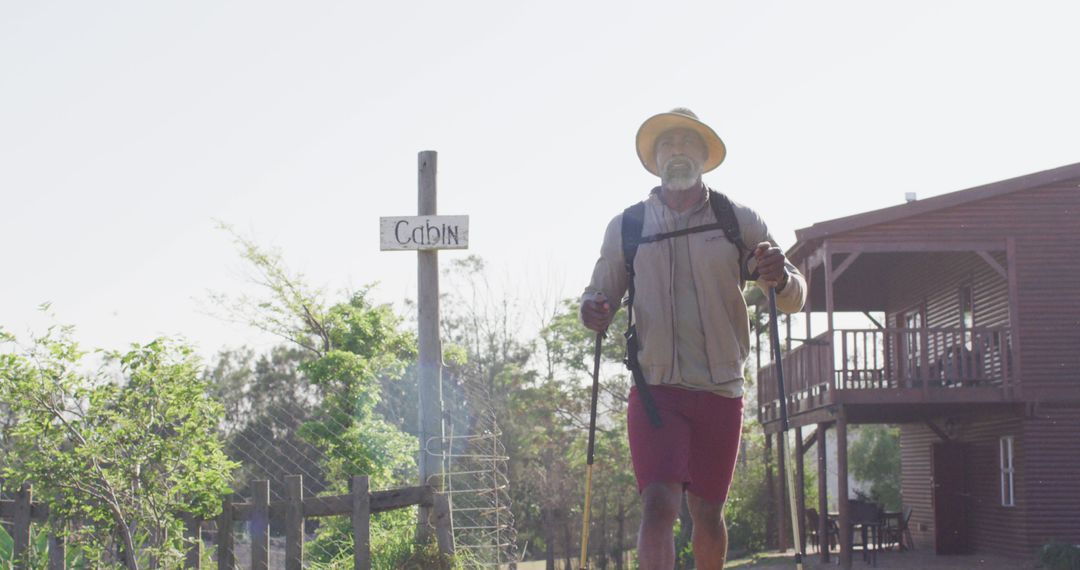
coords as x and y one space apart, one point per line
1060 556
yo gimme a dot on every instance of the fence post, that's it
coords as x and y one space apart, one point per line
21 535
193 535
226 556
294 522
443 532
56 549
361 523
259 525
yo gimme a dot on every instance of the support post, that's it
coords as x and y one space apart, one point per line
361 523
829 306
430 346
259 525
57 552
784 536
442 523
226 556
193 536
21 533
842 489
823 492
294 522
770 491
1016 376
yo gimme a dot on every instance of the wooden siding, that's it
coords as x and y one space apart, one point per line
915 441
934 280
1044 224
991 527
1048 461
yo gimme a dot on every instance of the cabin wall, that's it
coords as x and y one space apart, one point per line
1051 462
991 527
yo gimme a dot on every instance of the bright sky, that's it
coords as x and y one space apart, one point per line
127 128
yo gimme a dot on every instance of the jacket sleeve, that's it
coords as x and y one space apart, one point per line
792 298
609 274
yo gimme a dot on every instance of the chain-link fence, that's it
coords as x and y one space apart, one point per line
273 417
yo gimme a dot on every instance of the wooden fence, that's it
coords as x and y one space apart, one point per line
359 504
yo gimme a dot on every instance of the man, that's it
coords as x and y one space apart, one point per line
690 331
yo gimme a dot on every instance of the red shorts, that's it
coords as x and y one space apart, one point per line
696 444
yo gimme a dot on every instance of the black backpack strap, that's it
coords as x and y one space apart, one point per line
725 217
633 221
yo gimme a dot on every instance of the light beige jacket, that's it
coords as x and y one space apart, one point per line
716 277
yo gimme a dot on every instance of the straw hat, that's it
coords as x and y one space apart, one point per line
679 117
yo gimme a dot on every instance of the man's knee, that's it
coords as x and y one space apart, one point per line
661 502
705 514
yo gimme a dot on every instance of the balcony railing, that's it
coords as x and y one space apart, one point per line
889 359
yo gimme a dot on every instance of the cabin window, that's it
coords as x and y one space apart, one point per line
967 316
1007 471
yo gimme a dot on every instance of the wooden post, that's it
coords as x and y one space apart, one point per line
1015 375
361 523
56 551
294 522
829 306
800 489
823 492
21 533
430 345
842 489
807 270
259 525
226 555
770 491
193 535
443 531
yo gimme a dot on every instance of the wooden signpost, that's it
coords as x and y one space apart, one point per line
427 233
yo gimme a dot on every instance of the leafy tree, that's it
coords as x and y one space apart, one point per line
347 352
875 458
125 453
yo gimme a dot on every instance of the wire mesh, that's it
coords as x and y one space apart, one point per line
475 477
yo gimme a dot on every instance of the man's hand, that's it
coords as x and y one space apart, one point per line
770 264
597 313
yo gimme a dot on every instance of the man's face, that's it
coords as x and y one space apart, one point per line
680 154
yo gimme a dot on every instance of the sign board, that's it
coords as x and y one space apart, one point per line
423 232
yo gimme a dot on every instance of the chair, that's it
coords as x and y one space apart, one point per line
900 534
867 517
812 524
813 528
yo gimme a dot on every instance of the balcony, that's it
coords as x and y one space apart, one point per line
892 366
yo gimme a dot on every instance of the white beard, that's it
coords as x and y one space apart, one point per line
680 173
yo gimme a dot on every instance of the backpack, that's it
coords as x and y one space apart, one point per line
633 221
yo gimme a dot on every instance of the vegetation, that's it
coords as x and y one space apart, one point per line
338 398
124 451
1060 556
874 457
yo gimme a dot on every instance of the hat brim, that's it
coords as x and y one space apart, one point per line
656 125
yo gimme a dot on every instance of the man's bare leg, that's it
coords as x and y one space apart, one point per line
656 538
710 533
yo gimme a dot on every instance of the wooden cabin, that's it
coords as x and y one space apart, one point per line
973 350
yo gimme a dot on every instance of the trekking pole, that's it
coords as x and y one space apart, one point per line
774 332
584 561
